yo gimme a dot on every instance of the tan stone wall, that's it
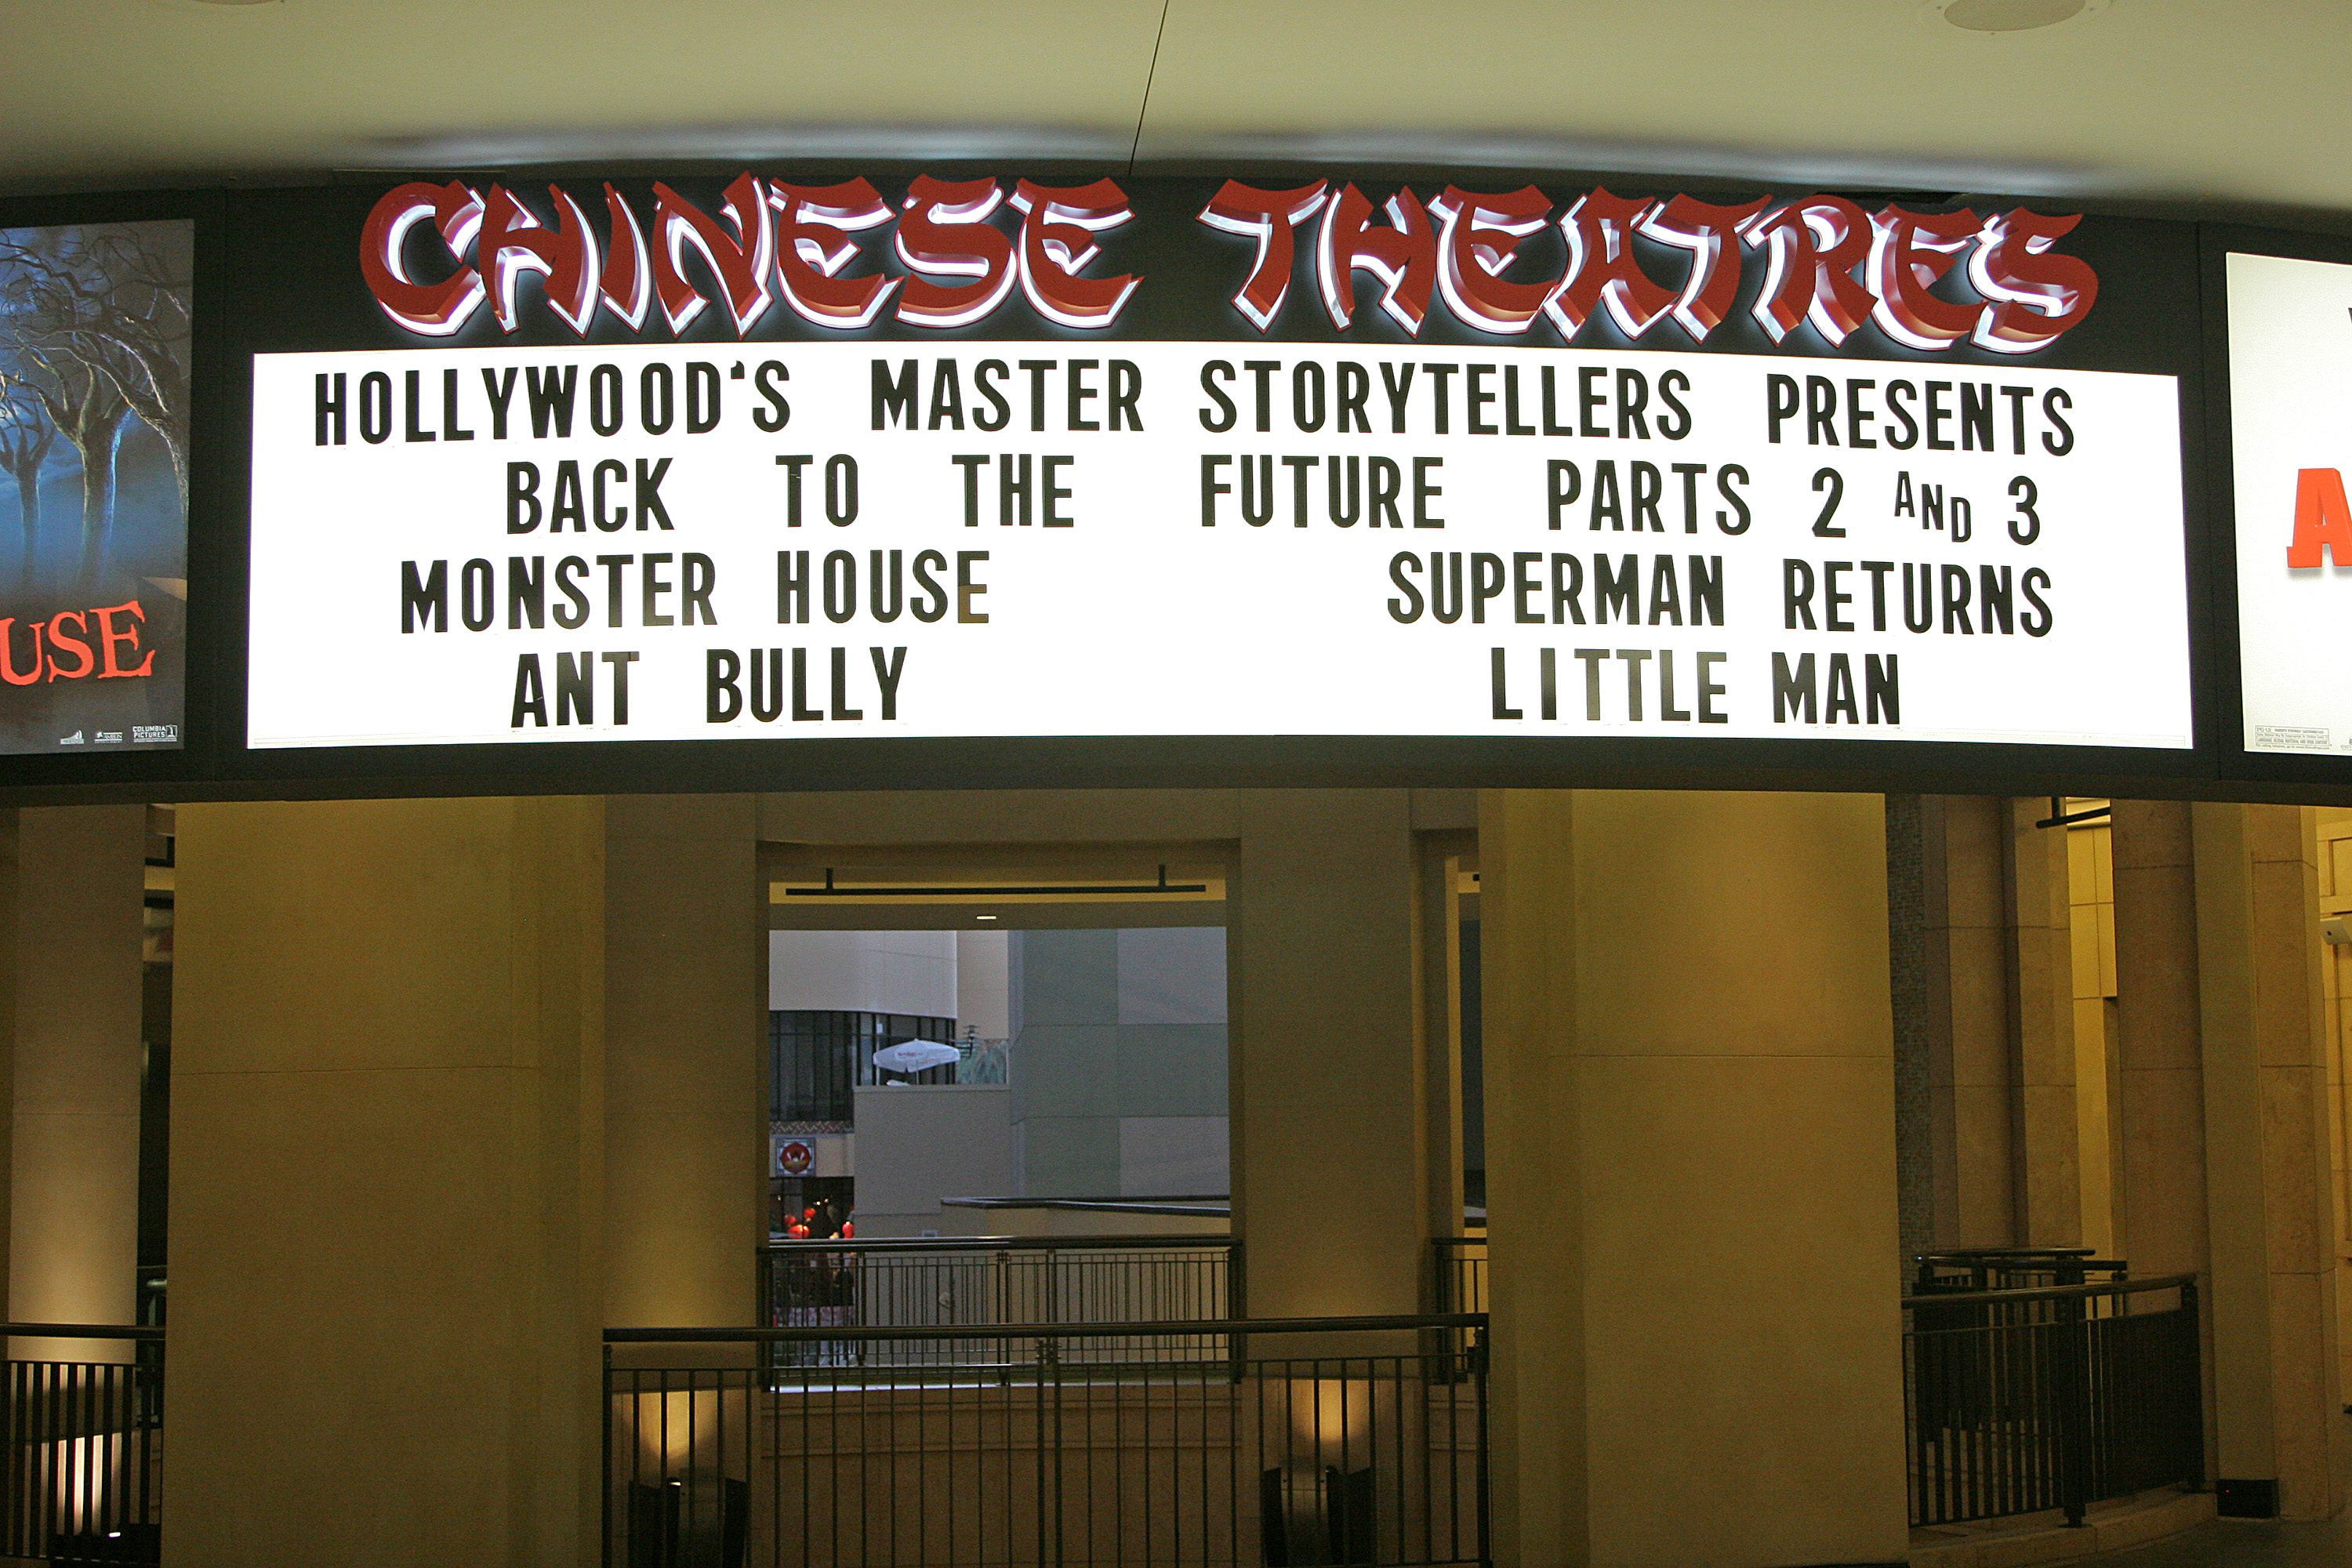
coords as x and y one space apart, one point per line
1691 1166
686 1128
74 1241
1330 1116
387 1150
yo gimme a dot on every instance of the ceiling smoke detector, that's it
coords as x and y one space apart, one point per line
2003 18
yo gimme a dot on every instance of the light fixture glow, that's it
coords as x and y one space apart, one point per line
1998 18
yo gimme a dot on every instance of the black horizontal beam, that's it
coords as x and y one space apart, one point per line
1123 889
1237 1326
924 1244
81 1332
2061 818
2051 1292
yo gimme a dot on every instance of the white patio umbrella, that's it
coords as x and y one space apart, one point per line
914 1055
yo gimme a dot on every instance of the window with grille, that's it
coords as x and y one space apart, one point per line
817 1057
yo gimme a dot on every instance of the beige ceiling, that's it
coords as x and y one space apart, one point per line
2244 103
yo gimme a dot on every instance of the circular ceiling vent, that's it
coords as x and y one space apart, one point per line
2003 19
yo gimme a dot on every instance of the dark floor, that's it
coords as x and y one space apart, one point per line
2247 1544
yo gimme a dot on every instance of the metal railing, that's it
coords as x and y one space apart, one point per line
2034 1400
83 1477
1342 1440
2010 1268
1459 1270
975 1281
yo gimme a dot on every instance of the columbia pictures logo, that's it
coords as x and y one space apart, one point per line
155 735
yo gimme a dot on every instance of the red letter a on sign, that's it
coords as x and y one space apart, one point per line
2321 517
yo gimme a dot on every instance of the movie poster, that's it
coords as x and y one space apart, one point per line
94 377
2289 344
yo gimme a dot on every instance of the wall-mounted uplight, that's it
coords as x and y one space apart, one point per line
983 917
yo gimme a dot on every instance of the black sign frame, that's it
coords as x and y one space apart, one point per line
2151 317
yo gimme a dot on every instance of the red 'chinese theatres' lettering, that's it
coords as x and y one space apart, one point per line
1058 244
944 232
1403 257
115 637
770 240
1477 240
816 245
1812 248
1268 217
1828 264
434 310
1925 280
512 242
740 259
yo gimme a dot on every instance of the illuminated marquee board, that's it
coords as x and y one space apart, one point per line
2291 421
974 480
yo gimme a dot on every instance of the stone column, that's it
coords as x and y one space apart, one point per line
2160 1187
1528 952
1971 1066
1329 1149
387 1157
2089 878
1691 1161
2046 1137
2159 1109
2277 1402
73 1244
1906 942
686 1128
1440 926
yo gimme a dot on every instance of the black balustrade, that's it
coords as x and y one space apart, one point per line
970 1282
2025 1401
83 1481
1351 1440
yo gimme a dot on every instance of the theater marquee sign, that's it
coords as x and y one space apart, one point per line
986 458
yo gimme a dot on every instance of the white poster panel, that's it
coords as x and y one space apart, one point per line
1124 538
2291 422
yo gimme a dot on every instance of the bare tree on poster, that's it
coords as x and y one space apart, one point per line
142 337
98 321
26 434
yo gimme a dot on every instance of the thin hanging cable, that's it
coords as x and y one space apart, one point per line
1150 75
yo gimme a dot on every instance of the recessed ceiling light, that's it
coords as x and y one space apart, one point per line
983 917
2000 19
